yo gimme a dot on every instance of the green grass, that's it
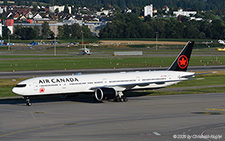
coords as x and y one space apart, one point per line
188 91
60 41
212 79
159 39
30 56
207 90
109 62
6 91
6 86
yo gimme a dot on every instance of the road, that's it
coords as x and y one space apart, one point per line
25 74
157 118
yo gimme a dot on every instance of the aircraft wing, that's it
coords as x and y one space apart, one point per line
131 85
205 73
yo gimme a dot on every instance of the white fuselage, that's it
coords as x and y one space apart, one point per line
90 82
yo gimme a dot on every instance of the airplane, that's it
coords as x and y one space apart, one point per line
108 86
221 42
86 51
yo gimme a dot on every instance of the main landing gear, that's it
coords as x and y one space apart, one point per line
28 101
120 97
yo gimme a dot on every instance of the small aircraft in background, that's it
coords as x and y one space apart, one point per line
85 51
222 42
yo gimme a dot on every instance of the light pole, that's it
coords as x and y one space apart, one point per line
82 39
9 40
156 40
54 46
54 28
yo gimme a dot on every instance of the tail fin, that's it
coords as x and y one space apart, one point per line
182 60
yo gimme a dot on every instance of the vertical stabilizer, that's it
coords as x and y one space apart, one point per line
182 60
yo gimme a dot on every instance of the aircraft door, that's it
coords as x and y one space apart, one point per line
169 77
35 86
138 79
63 86
104 81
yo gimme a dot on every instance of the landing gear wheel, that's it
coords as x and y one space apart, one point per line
124 99
28 104
117 99
28 101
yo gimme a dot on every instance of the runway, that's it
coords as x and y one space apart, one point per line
157 118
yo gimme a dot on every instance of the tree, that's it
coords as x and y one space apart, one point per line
217 29
45 30
86 31
37 31
30 2
66 31
5 32
206 28
60 32
75 31
26 33
5 2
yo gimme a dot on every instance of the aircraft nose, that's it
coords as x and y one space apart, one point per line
15 90
19 89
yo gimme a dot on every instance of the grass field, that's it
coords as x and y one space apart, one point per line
6 86
110 62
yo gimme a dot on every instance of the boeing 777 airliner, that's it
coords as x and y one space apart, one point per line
108 86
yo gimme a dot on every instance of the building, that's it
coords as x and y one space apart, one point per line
184 13
9 23
52 26
104 12
60 9
148 10
0 29
1 10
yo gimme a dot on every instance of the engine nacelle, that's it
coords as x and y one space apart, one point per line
105 93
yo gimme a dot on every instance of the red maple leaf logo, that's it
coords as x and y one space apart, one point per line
182 61
42 90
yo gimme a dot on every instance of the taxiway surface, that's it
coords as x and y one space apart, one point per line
180 117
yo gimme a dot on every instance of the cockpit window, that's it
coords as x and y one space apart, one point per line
21 85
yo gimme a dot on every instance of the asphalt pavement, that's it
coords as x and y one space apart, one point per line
156 118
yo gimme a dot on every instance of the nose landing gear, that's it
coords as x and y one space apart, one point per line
28 101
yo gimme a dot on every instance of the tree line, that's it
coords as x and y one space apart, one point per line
130 26
64 32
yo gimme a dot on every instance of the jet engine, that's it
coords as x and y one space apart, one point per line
105 93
